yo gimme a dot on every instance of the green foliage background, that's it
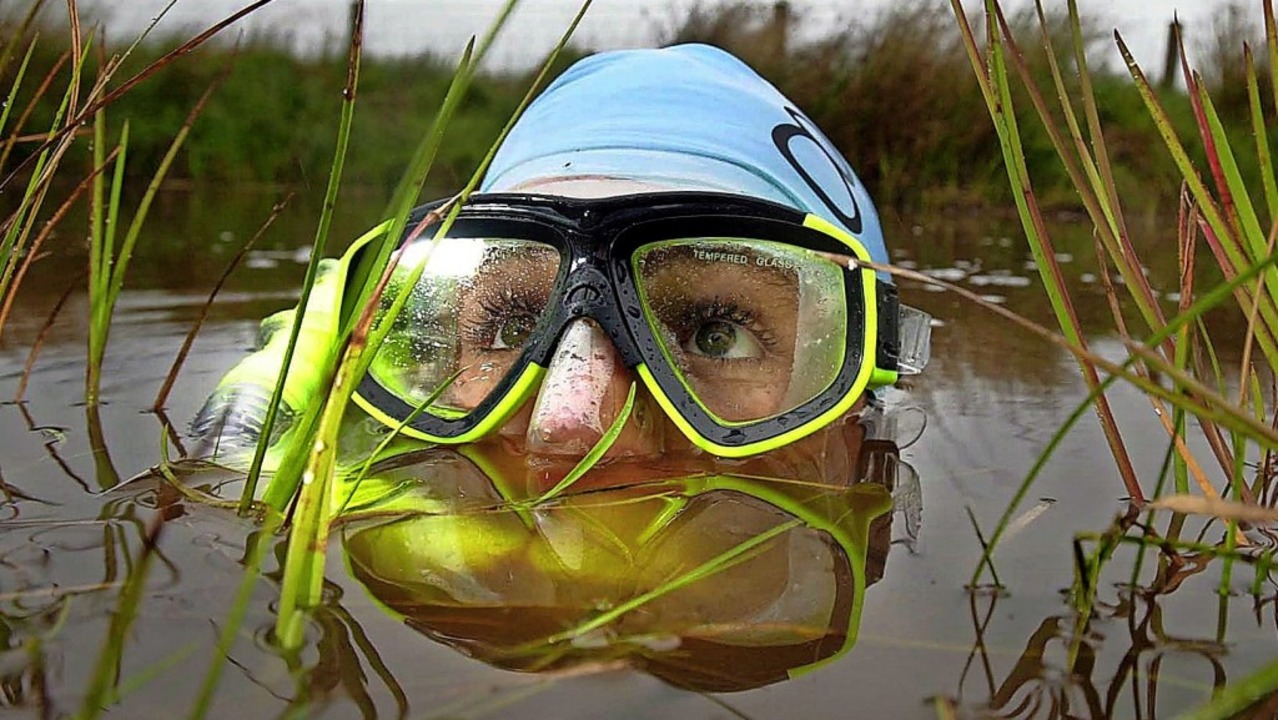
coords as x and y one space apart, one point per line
894 91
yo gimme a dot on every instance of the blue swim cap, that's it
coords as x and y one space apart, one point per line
689 113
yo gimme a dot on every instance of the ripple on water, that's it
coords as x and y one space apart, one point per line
1000 279
950 274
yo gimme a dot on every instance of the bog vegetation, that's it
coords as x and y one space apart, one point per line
893 90
1011 114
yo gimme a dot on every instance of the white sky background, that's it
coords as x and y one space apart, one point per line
443 26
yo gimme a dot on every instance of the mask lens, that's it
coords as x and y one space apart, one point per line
752 328
472 311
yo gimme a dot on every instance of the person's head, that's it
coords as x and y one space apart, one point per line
663 220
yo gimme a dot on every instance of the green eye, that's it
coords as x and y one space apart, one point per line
716 339
721 339
514 332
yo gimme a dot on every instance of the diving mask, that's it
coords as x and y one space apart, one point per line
750 323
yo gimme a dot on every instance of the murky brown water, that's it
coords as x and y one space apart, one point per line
992 399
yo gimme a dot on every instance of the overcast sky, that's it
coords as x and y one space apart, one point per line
400 26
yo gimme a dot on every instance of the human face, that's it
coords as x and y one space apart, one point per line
723 321
741 318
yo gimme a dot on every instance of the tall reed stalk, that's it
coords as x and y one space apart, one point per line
20 241
311 463
1218 205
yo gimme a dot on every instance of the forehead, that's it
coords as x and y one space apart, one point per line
601 186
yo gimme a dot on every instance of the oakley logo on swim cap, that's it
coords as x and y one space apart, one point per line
784 134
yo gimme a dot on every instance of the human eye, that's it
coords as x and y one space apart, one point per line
723 330
502 320
505 295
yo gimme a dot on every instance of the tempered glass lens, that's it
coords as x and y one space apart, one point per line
752 328
471 312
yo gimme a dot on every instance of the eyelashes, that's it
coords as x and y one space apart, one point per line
501 318
504 317
700 329
716 309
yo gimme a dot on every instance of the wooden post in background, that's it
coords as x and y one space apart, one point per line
1172 58
779 29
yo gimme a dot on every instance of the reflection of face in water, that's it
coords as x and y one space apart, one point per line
714 582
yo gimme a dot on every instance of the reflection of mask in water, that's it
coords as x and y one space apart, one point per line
715 582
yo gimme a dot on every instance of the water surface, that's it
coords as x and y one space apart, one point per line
992 398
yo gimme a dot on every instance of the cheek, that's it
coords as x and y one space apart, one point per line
516 427
744 396
477 379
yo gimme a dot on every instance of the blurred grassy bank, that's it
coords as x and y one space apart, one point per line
894 91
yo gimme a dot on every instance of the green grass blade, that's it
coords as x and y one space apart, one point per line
16 83
1089 190
1040 244
259 543
715 565
1271 44
1267 180
395 433
102 250
283 485
96 211
308 534
1094 185
363 275
318 248
1207 204
113 210
974 55
119 262
1233 183
596 452
1108 190
106 671
1239 695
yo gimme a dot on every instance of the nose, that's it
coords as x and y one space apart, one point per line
583 393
